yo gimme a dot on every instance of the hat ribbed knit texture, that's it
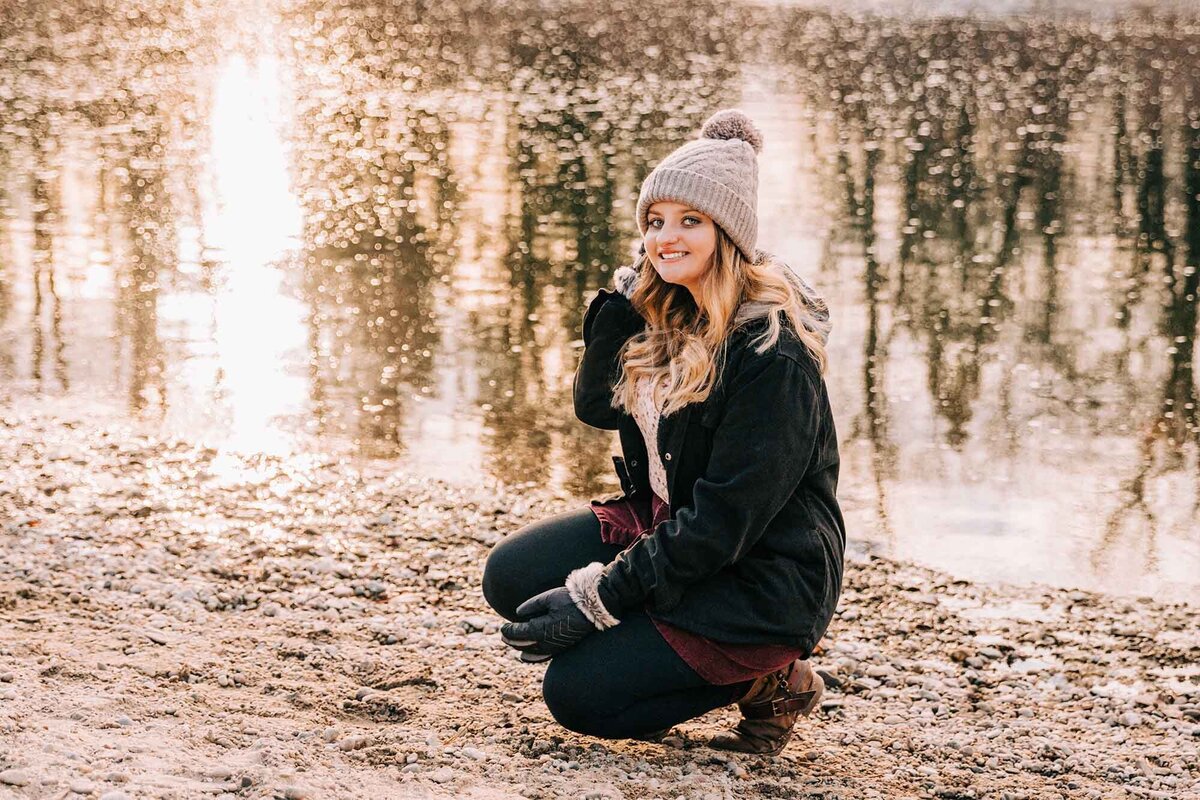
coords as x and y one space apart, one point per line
716 175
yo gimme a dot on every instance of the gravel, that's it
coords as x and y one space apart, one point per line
312 638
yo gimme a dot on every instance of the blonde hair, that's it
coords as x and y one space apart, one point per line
684 345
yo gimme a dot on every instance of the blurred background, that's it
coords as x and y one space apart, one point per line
370 229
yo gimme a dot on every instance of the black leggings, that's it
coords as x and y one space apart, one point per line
615 684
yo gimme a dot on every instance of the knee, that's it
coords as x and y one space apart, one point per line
500 581
567 697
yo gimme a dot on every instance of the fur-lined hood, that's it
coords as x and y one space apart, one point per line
625 278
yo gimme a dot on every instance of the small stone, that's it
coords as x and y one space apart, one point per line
474 753
156 637
81 786
217 772
352 743
443 775
115 794
15 777
1130 719
295 793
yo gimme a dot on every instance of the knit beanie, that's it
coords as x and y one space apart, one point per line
716 174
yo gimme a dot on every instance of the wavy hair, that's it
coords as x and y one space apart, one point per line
682 349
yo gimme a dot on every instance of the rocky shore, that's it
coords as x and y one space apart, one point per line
178 622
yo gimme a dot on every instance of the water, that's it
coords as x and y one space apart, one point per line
371 230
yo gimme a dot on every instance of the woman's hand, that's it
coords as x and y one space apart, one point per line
556 624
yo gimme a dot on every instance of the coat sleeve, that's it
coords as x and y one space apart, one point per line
609 322
761 450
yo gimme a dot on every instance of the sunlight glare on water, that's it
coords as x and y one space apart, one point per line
254 221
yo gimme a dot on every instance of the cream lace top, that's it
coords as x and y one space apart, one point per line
647 415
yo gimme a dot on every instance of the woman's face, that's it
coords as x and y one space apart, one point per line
680 243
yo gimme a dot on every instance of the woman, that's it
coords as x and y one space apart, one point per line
713 575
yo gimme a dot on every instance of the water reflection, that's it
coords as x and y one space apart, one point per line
374 227
258 325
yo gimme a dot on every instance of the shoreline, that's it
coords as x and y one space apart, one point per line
181 624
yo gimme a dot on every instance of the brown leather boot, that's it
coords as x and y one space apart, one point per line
770 710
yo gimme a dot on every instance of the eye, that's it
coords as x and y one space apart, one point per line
656 223
692 220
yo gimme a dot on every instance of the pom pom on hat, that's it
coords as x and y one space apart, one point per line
733 124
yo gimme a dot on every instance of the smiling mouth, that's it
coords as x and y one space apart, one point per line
671 256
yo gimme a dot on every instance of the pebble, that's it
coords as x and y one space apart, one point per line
115 794
294 792
15 777
443 775
353 743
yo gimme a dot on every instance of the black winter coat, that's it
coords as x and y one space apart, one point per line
753 551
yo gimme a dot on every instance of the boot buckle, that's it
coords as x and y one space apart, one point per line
790 703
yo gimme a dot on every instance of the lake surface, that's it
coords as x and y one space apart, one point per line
371 229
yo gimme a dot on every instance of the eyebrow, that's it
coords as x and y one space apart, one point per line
685 211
